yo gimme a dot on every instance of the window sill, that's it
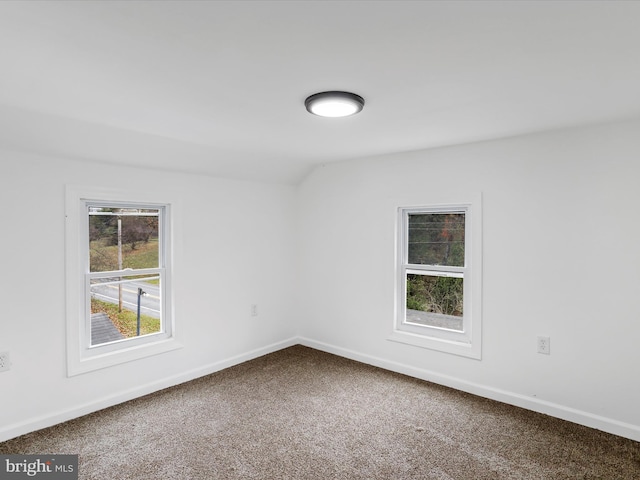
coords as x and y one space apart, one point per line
78 365
470 350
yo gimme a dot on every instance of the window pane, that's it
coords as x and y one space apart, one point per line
436 239
435 301
123 238
114 308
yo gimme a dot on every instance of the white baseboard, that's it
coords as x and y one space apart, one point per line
587 419
48 420
555 410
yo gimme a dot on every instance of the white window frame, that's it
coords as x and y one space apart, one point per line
468 341
82 357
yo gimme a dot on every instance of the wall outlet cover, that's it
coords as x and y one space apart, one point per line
5 361
544 345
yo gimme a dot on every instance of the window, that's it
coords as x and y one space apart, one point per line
126 274
118 279
438 284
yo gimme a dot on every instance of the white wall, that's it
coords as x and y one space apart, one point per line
233 244
560 232
560 259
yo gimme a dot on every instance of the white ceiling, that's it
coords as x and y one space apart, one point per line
218 87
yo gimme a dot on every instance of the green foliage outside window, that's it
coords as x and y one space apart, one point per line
435 294
436 239
138 239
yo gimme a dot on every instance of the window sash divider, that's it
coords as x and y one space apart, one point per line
436 269
117 282
125 273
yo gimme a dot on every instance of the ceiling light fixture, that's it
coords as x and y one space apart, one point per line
334 104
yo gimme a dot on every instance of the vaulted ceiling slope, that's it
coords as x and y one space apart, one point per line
218 87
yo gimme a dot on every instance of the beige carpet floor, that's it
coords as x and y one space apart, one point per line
304 414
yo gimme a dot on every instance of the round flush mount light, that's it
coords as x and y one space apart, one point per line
334 104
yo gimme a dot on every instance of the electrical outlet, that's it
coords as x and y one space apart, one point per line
254 310
544 345
5 361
